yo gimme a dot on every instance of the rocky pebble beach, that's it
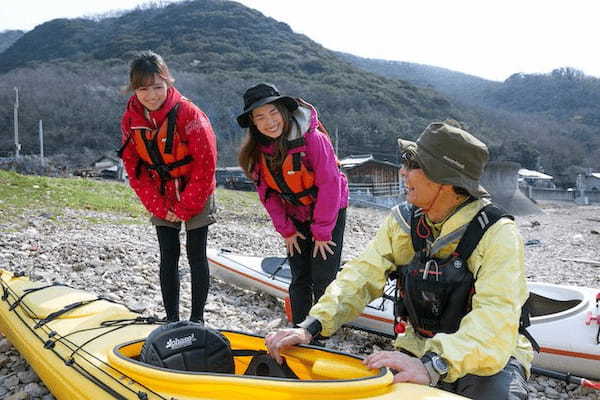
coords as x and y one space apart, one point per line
117 256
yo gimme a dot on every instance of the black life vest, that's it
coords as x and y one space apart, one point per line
435 294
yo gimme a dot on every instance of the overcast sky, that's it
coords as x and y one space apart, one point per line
490 39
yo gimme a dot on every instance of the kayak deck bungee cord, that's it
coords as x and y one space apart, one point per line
84 346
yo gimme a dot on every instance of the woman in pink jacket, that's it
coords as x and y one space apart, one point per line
288 154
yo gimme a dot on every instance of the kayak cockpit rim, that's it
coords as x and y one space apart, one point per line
125 358
552 302
247 271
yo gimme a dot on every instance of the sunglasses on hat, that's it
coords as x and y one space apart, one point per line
409 161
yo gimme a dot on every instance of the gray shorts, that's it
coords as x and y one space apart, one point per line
204 218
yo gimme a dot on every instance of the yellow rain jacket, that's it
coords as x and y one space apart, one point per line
488 334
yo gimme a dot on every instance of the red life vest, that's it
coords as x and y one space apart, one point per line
161 150
294 182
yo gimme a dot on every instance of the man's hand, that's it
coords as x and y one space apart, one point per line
409 369
291 243
285 338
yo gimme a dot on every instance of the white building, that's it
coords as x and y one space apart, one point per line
591 181
535 178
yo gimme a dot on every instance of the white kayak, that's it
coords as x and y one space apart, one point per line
565 322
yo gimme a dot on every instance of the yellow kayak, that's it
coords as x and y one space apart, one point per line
86 347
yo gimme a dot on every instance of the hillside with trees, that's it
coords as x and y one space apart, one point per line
565 94
461 87
7 38
553 117
70 74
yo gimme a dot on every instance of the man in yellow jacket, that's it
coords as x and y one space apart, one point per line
458 320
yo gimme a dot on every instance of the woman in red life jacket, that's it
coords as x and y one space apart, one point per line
169 152
287 152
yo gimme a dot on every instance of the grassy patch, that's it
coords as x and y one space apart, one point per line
239 202
19 193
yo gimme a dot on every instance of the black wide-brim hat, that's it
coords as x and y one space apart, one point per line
259 95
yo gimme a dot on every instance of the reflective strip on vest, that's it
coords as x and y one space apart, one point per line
401 214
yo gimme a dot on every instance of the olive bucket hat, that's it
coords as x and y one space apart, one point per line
451 156
259 95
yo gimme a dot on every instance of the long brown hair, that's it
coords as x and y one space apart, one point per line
249 153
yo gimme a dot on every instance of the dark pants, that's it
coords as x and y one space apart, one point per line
508 384
311 275
168 240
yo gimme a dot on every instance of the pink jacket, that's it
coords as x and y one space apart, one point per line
331 183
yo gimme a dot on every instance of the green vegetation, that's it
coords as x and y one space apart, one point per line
24 192
7 38
69 73
21 192
564 94
215 49
236 200
542 121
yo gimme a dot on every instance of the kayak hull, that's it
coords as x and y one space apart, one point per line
91 351
567 344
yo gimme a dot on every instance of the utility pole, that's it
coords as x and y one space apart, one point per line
16 120
336 141
41 129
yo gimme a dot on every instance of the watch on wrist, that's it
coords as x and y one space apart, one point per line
312 325
436 367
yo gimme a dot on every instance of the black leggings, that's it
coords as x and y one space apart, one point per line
311 275
168 240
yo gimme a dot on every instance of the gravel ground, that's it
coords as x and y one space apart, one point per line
117 256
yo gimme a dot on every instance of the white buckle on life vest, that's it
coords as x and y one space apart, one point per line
428 265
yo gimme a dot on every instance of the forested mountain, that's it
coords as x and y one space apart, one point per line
463 87
70 73
7 38
565 94
554 117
